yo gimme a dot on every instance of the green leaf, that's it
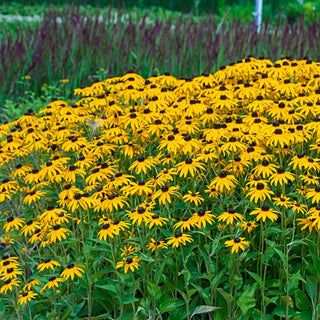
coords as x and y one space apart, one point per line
301 300
170 304
203 309
126 299
281 255
311 289
257 278
228 297
108 287
205 295
247 300
101 316
281 312
78 307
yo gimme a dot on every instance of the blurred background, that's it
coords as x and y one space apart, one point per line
49 48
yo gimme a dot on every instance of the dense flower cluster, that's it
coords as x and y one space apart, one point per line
157 159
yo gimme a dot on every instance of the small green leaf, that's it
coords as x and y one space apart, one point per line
108 287
280 311
311 289
203 309
281 255
126 299
301 300
247 300
225 295
170 305
257 278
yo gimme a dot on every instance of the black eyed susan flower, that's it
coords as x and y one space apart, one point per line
309 179
127 250
281 177
265 212
314 194
172 143
185 224
282 201
213 192
308 222
10 273
189 167
179 238
30 227
165 193
129 264
299 161
139 215
260 192
9 285
193 197
236 244
71 271
230 216
33 196
139 188
57 233
142 164
52 283
48 264
30 285
156 244
201 218
7 240
265 169
13 223
248 226
156 220
26 297
223 182
108 230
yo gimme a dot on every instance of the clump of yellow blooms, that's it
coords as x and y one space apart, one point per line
157 159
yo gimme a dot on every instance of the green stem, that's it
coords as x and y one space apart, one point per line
186 284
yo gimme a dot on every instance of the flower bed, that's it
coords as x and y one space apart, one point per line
168 197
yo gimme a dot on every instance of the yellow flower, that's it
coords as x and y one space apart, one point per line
153 245
260 193
127 250
314 194
236 244
223 182
193 197
185 223
48 264
281 177
13 223
230 216
52 283
71 271
248 226
156 220
26 296
129 264
108 230
165 193
189 167
30 284
58 233
179 238
9 284
201 218
265 212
